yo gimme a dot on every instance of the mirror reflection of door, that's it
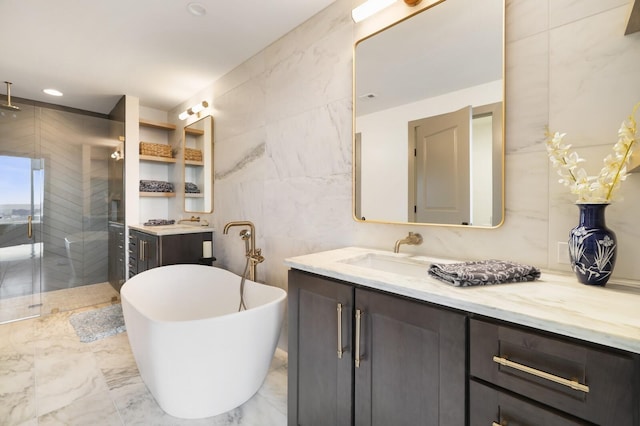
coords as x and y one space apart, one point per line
439 183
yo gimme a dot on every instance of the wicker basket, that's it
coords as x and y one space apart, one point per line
192 154
155 149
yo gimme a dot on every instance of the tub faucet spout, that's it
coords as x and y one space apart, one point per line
411 239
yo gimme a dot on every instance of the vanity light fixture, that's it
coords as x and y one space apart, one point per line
193 110
369 8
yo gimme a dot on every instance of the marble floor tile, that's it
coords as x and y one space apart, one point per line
49 377
94 410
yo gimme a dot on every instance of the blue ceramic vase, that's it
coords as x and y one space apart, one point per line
592 246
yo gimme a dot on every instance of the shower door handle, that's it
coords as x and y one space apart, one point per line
29 226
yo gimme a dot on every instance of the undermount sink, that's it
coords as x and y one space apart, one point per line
393 264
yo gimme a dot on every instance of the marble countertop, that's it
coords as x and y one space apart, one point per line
172 229
556 303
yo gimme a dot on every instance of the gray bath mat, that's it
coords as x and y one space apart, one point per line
98 323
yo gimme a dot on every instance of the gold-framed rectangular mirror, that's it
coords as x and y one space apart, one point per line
429 118
197 153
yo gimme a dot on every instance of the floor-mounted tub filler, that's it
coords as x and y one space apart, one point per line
196 353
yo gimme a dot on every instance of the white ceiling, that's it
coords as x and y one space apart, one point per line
96 51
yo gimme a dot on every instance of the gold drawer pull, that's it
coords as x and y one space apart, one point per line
543 374
358 320
340 351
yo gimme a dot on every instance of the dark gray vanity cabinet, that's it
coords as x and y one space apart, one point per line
320 388
143 252
117 255
147 251
491 406
412 359
361 357
563 379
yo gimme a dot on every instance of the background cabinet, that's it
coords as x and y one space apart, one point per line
143 252
361 357
116 256
147 251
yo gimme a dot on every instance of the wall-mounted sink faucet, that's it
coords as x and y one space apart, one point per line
253 254
202 222
413 239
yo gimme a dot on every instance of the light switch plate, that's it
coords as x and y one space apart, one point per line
563 253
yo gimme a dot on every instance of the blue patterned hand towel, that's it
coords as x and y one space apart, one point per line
483 272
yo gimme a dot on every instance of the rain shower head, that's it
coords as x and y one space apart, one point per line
8 104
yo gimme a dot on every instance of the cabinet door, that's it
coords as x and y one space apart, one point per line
412 363
320 378
116 255
182 248
150 257
134 253
490 406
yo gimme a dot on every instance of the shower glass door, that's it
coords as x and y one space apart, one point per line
21 198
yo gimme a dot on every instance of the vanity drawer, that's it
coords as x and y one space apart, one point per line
490 406
590 383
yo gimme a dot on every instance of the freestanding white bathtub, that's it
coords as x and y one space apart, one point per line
196 353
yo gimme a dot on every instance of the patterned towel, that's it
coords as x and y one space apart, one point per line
483 272
159 222
155 186
191 188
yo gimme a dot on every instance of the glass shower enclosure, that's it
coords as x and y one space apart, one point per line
56 197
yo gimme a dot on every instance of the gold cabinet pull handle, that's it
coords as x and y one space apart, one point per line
340 351
358 320
495 424
29 226
543 374
141 249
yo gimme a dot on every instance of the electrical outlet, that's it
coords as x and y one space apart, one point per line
563 253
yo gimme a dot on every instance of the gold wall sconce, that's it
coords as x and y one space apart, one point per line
193 110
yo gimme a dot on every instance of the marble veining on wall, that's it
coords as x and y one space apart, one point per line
255 154
295 96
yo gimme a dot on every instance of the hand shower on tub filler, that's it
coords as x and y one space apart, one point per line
253 254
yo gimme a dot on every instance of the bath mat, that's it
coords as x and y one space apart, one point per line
98 323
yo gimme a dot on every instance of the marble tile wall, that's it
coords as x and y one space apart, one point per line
283 137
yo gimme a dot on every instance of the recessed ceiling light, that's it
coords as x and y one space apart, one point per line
52 92
197 9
